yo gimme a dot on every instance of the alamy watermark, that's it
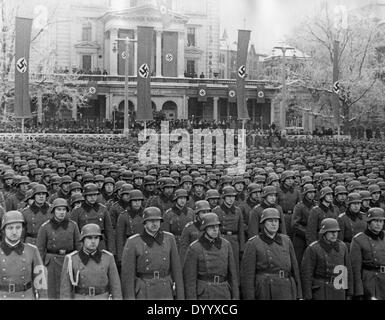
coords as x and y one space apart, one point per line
180 147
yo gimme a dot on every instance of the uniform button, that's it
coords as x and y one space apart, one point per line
146 252
146 260
147 268
4 278
22 277
164 258
3 260
3 269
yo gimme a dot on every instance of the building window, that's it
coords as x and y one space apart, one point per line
191 37
190 68
86 31
86 63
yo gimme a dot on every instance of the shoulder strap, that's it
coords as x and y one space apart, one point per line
70 271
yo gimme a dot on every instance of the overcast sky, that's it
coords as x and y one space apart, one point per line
270 20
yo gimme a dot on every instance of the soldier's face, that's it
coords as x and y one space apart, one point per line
72 174
55 187
187 186
24 173
37 177
255 195
109 187
213 202
239 187
65 187
136 204
99 184
91 198
289 182
60 213
355 207
8 182
91 243
328 198
272 225
168 191
310 195
213 231
23 187
40 198
213 184
275 183
365 203
79 178
198 189
152 226
376 225
271 198
376 196
341 197
13 232
229 200
325 183
150 187
75 191
138 181
181 202
331 236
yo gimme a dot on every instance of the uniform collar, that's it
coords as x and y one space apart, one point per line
207 244
374 236
227 210
308 203
7 249
85 256
149 239
179 211
324 208
328 246
56 224
353 215
265 238
36 209
88 207
124 204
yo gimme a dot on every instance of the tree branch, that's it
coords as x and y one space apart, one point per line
364 93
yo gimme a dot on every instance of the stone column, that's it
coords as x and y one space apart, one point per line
108 106
215 109
158 54
74 109
135 54
113 55
185 107
181 67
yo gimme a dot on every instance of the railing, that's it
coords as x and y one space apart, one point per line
104 79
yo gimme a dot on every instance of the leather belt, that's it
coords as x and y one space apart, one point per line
212 278
369 267
326 277
62 252
91 291
153 275
12 287
281 274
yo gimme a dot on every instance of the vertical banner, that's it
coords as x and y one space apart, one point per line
243 47
145 40
260 95
336 89
232 94
165 13
202 93
122 54
23 43
170 54
92 90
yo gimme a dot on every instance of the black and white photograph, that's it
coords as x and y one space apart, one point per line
204 151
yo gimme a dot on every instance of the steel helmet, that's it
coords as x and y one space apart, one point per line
12 217
254 187
373 188
149 180
268 190
75 185
28 195
261 179
126 189
186 178
87 178
365 195
212 194
90 230
99 178
272 177
65 179
199 182
209 219
135 195
39 188
329 225
228 191
180 193
308 188
90 189
76 198
325 191
238 179
202 205
340 190
354 198
59 202
375 214
23 179
168 182
287 174
270 213
152 213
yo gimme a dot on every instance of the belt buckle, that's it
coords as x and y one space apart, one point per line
216 279
382 269
91 291
62 252
229 233
11 288
281 274
156 274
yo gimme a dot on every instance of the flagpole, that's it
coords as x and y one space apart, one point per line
22 129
